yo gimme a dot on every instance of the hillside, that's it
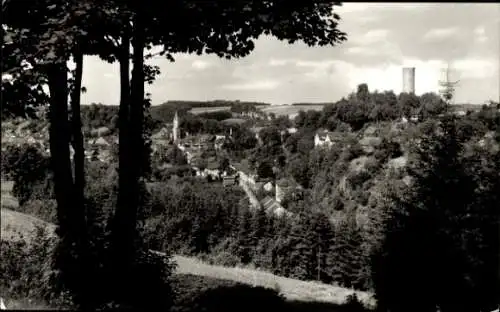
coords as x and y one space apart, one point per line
291 110
13 223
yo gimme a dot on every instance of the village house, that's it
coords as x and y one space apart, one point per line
284 187
269 186
256 131
270 205
164 136
325 138
230 180
219 142
413 118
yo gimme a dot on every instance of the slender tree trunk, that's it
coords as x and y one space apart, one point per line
79 184
77 137
131 116
119 260
124 139
59 139
126 214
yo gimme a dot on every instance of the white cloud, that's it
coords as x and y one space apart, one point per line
479 30
364 6
370 37
253 85
376 35
476 68
441 33
200 65
278 62
353 7
480 34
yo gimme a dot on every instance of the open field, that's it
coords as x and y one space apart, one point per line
234 121
295 290
292 289
290 110
8 201
201 110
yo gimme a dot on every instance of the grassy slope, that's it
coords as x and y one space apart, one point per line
12 221
200 110
290 110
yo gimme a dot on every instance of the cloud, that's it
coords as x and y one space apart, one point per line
200 65
441 33
254 85
375 35
480 34
370 6
476 68
278 62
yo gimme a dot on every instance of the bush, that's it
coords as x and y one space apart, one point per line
223 258
152 273
26 270
354 151
353 304
239 298
45 210
356 179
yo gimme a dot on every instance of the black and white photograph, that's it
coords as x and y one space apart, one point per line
250 155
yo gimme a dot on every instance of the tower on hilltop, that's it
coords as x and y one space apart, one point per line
409 80
175 131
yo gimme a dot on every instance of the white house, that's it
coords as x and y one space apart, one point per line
325 138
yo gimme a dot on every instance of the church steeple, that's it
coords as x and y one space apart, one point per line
176 127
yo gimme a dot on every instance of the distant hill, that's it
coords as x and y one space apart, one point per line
216 103
466 107
313 104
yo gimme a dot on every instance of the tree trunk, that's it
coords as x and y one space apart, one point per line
59 139
131 117
77 138
79 176
59 145
119 263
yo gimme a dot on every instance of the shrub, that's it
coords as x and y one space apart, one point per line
224 258
26 270
152 273
45 210
356 179
239 298
353 304
354 151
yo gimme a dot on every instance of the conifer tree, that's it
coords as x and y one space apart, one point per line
302 255
428 255
323 233
245 237
259 229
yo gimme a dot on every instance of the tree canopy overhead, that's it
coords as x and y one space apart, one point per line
228 29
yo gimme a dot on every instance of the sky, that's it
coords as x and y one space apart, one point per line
382 39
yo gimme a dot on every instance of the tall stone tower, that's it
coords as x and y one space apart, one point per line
409 80
176 128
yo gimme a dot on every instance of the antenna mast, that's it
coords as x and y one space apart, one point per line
448 87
